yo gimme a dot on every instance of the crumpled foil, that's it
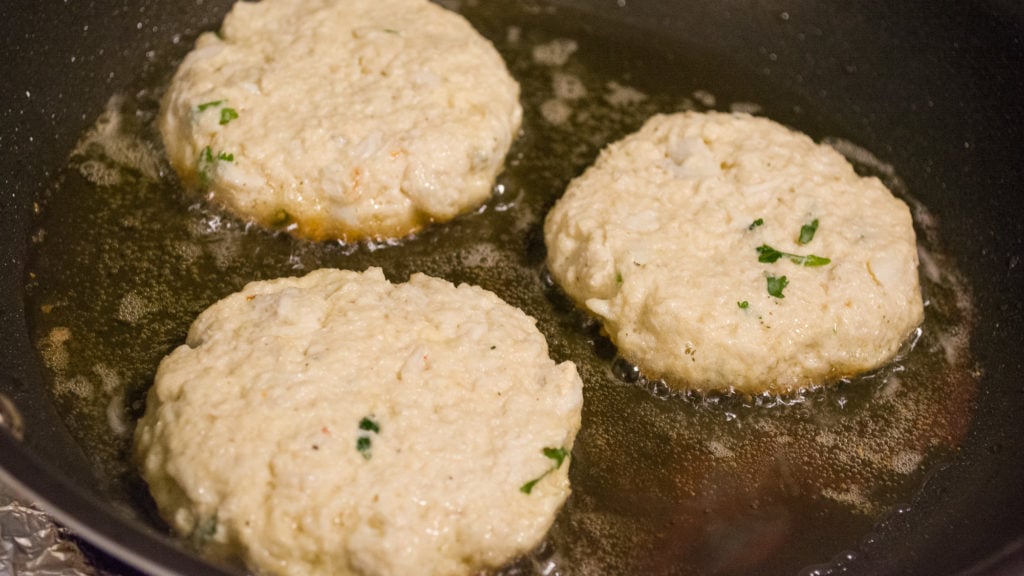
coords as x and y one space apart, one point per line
32 544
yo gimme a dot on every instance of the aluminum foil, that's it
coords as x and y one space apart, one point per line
32 544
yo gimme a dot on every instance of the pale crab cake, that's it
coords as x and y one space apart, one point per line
724 251
342 119
341 424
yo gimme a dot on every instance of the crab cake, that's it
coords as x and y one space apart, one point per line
724 251
340 424
342 119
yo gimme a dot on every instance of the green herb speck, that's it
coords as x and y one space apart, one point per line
528 487
227 115
363 446
208 162
367 426
756 223
211 104
807 232
558 455
767 254
204 165
743 305
776 285
810 260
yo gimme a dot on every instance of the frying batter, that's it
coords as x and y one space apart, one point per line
341 424
342 120
724 251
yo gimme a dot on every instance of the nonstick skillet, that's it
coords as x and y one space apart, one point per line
923 95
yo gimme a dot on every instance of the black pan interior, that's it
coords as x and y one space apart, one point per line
930 88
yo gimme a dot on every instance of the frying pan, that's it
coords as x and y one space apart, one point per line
933 88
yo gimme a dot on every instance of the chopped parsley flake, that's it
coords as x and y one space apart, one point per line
618 277
204 165
776 285
558 456
756 223
767 254
807 232
743 305
208 162
213 103
528 487
363 446
367 426
227 115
